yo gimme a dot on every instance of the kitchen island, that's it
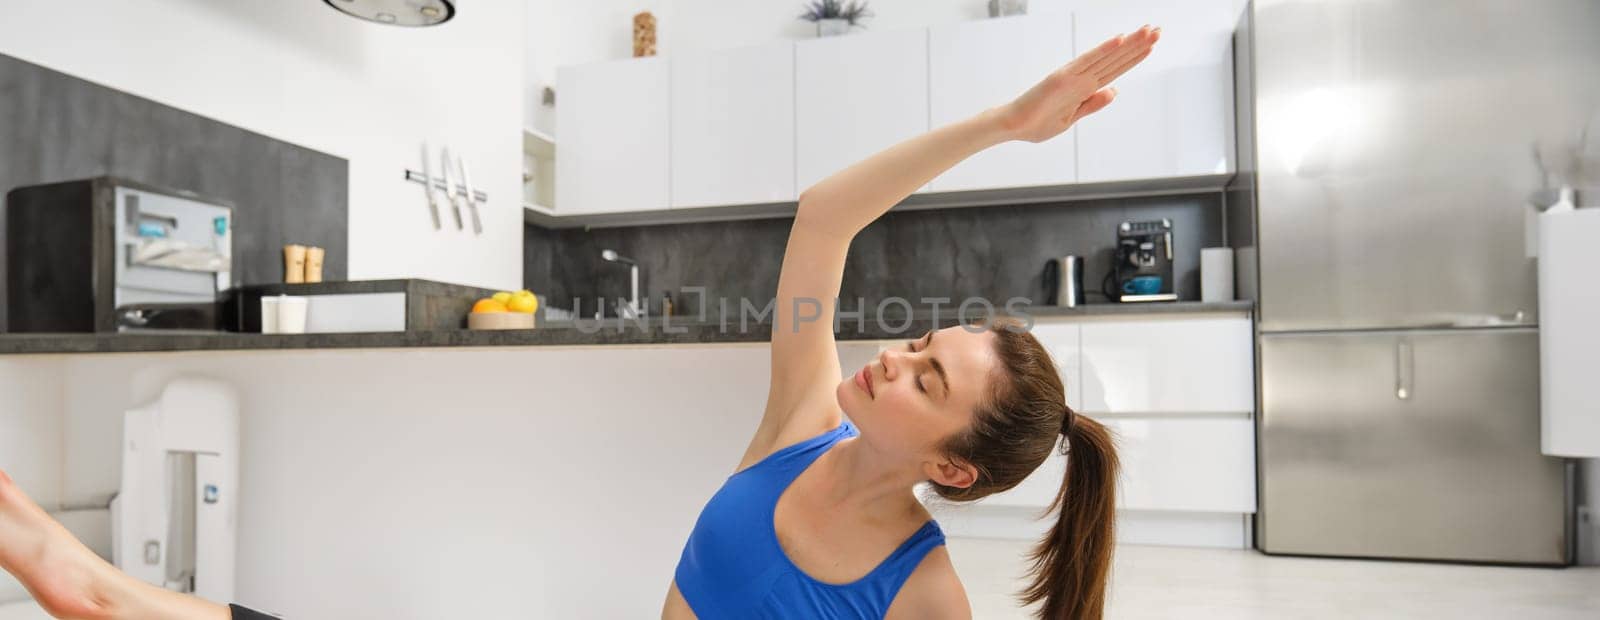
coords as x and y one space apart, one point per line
556 471
653 331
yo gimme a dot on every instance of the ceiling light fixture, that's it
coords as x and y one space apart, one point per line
414 13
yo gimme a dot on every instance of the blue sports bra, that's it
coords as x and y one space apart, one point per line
733 566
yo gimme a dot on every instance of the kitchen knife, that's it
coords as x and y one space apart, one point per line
472 198
427 181
450 186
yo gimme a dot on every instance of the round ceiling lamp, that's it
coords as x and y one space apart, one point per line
415 13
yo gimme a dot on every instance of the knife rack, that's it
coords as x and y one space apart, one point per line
418 177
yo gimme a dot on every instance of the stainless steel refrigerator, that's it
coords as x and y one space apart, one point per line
1385 147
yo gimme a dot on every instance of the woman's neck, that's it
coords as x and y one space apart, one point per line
862 482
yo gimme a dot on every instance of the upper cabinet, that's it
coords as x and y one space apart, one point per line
613 123
733 126
1173 116
856 95
758 125
977 65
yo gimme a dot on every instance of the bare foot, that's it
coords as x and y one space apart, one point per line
65 577
70 581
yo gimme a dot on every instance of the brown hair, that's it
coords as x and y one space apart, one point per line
1011 435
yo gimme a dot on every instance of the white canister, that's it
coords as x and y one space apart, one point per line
292 314
269 314
1216 274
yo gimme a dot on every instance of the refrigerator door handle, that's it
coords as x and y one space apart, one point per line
1404 373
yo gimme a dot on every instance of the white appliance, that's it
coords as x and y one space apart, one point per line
1569 335
174 522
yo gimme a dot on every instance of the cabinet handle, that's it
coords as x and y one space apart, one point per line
1404 374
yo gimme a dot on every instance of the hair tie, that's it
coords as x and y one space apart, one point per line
1066 421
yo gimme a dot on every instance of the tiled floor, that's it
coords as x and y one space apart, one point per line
1166 582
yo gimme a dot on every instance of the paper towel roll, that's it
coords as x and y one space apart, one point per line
1216 274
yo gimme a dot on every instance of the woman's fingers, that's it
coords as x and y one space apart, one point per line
1127 64
1137 51
1086 60
1130 45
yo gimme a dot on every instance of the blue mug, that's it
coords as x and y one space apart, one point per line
1142 285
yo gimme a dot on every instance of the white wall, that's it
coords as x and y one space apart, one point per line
301 72
538 482
30 437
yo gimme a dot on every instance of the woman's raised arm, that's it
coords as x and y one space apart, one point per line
805 365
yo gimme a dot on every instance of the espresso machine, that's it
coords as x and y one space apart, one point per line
107 254
1142 267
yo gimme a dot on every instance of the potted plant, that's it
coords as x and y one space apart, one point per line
835 17
1006 8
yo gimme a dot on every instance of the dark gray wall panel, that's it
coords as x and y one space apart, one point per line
55 127
995 252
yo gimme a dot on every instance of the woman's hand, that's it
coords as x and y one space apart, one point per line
1076 90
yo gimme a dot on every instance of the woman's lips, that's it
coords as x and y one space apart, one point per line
864 379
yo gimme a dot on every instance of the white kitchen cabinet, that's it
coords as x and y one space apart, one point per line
856 95
1186 442
1168 366
1173 115
974 66
1569 333
1199 464
613 128
733 126
1134 376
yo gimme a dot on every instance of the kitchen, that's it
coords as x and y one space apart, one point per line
315 127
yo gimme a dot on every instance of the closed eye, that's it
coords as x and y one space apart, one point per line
911 346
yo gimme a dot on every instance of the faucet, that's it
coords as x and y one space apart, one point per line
633 309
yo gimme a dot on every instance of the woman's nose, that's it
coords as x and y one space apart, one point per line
890 359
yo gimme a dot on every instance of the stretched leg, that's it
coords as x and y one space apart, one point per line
69 580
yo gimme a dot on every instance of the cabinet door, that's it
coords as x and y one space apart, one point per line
856 95
612 124
1173 115
1196 365
1196 464
974 66
733 126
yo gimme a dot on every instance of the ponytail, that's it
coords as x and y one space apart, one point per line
1072 563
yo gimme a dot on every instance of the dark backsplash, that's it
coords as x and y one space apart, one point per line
995 252
56 127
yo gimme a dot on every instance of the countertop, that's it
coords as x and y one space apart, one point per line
582 333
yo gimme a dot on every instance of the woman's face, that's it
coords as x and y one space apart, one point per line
914 396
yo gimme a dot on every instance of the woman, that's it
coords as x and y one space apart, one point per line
971 412
820 519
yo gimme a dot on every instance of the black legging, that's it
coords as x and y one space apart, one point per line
245 613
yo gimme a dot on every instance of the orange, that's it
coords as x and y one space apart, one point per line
488 305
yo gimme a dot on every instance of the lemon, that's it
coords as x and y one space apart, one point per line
502 297
523 303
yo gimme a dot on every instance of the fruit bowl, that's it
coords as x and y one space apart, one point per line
500 320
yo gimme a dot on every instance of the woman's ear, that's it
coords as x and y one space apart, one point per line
951 473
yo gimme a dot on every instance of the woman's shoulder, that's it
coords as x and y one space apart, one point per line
820 418
932 591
